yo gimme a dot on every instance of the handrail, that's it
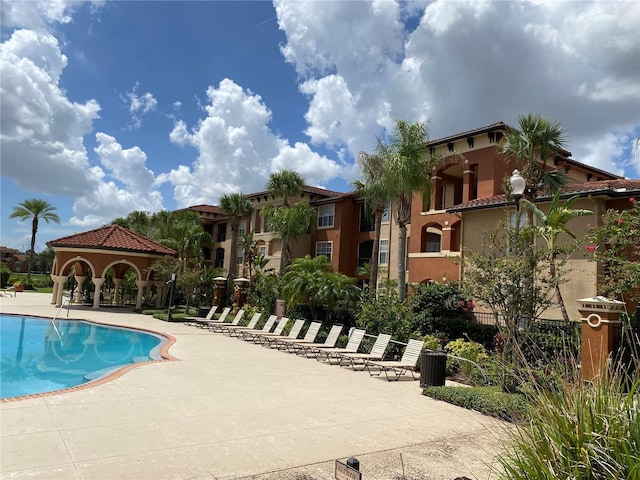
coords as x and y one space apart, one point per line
55 317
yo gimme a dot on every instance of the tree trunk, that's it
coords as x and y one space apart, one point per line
402 242
556 284
34 230
373 274
233 260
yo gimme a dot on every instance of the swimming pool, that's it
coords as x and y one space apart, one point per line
39 356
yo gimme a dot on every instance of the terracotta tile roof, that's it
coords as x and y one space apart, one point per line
613 188
475 131
112 237
308 189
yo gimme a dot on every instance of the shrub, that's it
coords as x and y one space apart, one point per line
464 349
5 273
386 313
487 400
578 431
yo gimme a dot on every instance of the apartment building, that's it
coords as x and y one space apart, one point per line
467 198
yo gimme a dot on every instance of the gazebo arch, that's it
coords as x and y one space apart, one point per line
99 250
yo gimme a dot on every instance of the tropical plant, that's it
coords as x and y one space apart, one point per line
236 207
617 246
288 224
189 283
406 169
313 281
532 146
375 199
182 231
138 221
36 210
550 226
248 246
285 184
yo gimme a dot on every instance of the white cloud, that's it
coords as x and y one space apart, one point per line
38 15
466 64
236 149
139 105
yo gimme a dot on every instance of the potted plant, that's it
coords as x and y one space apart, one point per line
18 286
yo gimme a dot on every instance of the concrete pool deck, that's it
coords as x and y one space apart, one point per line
230 409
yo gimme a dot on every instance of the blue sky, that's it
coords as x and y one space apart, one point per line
112 106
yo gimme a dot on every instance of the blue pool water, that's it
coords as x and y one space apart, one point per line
35 357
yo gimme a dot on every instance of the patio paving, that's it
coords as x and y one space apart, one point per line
230 409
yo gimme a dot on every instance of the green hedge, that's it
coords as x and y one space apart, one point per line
487 400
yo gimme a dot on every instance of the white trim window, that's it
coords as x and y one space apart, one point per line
242 228
240 256
383 252
325 215
262 250
324 248
385 212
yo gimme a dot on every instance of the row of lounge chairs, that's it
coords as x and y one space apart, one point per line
271 335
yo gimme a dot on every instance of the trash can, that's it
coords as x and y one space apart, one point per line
203 310
433 368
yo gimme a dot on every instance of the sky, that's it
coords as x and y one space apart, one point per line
112 106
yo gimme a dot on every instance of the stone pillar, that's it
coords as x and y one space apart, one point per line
96 293
116 291
140 284
58 282
54 293
600 334
240 287
220 291
469 186
80 279
436 193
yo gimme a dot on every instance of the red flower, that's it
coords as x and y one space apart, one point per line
620 221
590 248
632 200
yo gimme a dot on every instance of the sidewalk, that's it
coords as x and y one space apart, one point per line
229 409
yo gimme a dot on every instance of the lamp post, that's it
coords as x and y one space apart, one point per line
518 185
170 311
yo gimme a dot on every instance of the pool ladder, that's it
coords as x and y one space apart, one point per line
55 317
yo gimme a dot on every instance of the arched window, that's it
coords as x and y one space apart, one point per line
431 238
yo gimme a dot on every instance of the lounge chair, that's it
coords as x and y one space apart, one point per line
376 353
220 319
272 339
310 337
200 321
216 326
310 349
406 364
234 330
355 339
260 337
249 334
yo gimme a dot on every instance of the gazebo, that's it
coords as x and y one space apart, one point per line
110 247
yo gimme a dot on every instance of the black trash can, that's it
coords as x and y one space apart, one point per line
433 368
202 311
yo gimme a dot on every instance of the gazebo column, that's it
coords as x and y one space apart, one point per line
159 293
141 284
58 282
116 291
97 281
80 279
54 293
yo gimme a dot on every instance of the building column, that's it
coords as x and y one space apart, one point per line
116 291
96 292
58 288
469 186
141 284
80 279
600 334
436 193
54 293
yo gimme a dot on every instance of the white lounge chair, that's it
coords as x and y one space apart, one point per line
311 349
201 321
376 353
216 326
406 364
355 339
310 337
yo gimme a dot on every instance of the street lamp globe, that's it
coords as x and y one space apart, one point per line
518 184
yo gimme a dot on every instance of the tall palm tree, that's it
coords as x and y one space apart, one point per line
182 231
36 210
406 169
236 207
248 246
284 184
532 147
551 225
375 198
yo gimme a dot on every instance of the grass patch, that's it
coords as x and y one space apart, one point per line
487 400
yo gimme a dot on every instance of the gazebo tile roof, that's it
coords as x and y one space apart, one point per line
112 237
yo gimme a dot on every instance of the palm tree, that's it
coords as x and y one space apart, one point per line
288 223
236 207
248 246
551 225
375 198
531 146
284 184
183 232
137 221
406 169
35 209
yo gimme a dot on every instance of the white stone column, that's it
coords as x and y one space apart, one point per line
59 287
80 279
54 293
116 291
141 284
96 293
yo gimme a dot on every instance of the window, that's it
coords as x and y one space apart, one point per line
262 250
365 250
222 232
512 219
366 219
242 228
240 256
324 248
383 252
385 213
219 261
325 215
433 242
